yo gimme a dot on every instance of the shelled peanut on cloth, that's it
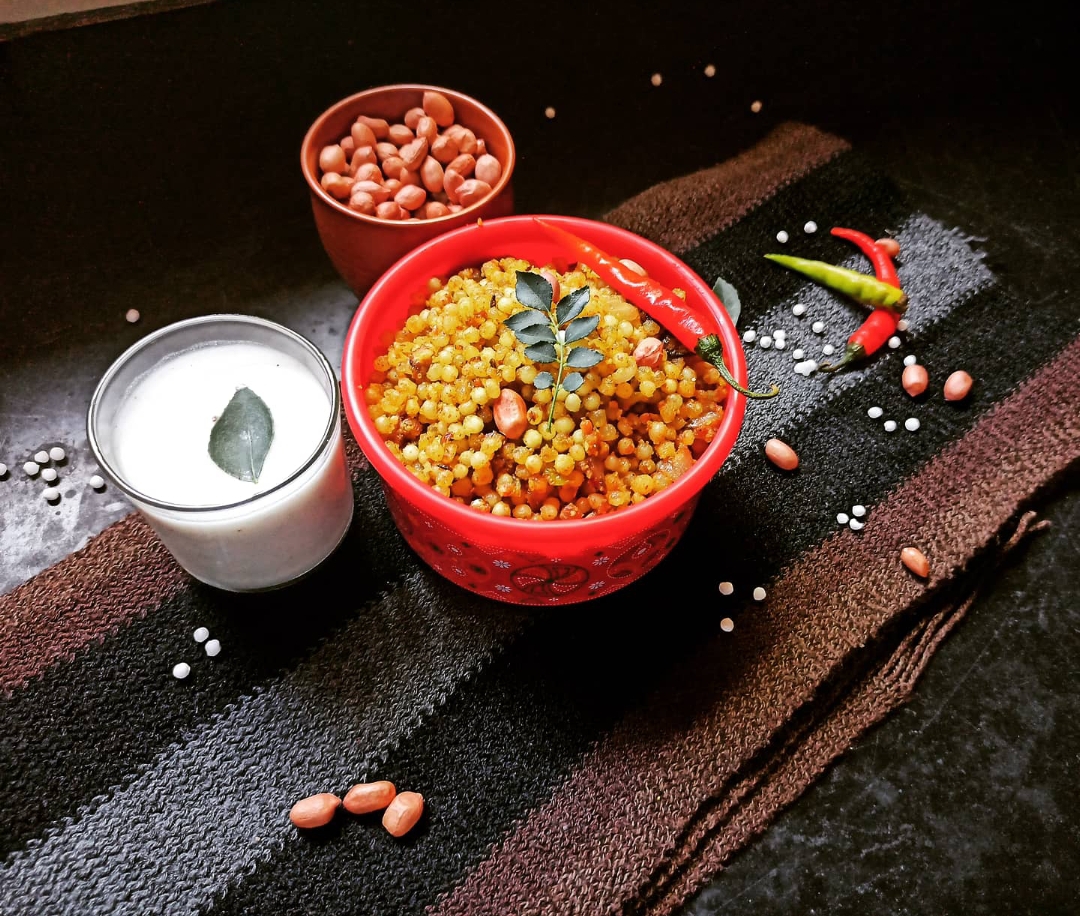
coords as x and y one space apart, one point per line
423 167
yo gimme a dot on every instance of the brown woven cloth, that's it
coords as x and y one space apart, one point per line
581 763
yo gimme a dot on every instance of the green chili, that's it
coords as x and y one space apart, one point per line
862 288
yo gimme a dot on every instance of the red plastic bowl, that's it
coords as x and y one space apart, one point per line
514 560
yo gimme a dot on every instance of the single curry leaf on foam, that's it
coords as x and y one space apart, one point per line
729 298
571 304
241 436
533 291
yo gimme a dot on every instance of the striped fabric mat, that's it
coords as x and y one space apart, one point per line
607 757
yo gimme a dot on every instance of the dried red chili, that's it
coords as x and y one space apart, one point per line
656 300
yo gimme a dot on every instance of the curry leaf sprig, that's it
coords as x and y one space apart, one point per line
548 329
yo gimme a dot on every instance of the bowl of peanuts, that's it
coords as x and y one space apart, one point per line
393 166
509 483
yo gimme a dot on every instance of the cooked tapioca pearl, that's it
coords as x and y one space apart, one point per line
902 324
759 594
828 349
212 647
31 468
781 237
42 457
181 670
726 588
727 624
874 413
49 475
842 518
798 354
890 426
894 342
798 310
910 359
765 341
57 453
818 327
749 336
779 343
810 227
858 511
97 482
51 494
201 634
911 424
855 525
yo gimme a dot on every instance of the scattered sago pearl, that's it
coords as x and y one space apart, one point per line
549 112
779 343
710 71
181 670
765 341
856 525
51 494
782 237
49 475
201 634
132 315
212 647
726 588
910 359
42 457
727 624
656 79
3 469
798 310
858 511
874 413
31 468
57 453
749 336
911 424
759 594
755 106
779 334
890 426
818 327
97 482
810 226
797 355
902 324
842 518
828 349
894 342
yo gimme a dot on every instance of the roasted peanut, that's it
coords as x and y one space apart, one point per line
392 185
915 379
488 168
363 135
368 171
915 560
427 128
332 158
315 810
553 279
781 454
438 107
431 174
433 209
399 134
467 141
362 155
362 202
390 209
413 178
337 185
384 149
391 165
365 797
411 197
452 181
380 127
403 812
463 164
481 148
414 153
509 414
348 146
471 191
412 117
649 352
378 192
891 247
957 386
444 149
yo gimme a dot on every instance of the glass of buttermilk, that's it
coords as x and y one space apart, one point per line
224 431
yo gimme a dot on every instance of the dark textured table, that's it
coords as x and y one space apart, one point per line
152 163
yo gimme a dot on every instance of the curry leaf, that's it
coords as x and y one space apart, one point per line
729 298
241 436
583 357
573 381
580 328
543 352
526 319
535 334
571 304
543 380
533 291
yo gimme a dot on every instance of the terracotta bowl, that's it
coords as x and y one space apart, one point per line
514 560
362 247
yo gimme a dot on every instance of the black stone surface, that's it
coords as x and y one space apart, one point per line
152 163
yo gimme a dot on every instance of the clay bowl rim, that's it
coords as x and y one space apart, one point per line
307 146
603 529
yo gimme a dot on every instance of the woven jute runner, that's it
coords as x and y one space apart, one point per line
608 757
